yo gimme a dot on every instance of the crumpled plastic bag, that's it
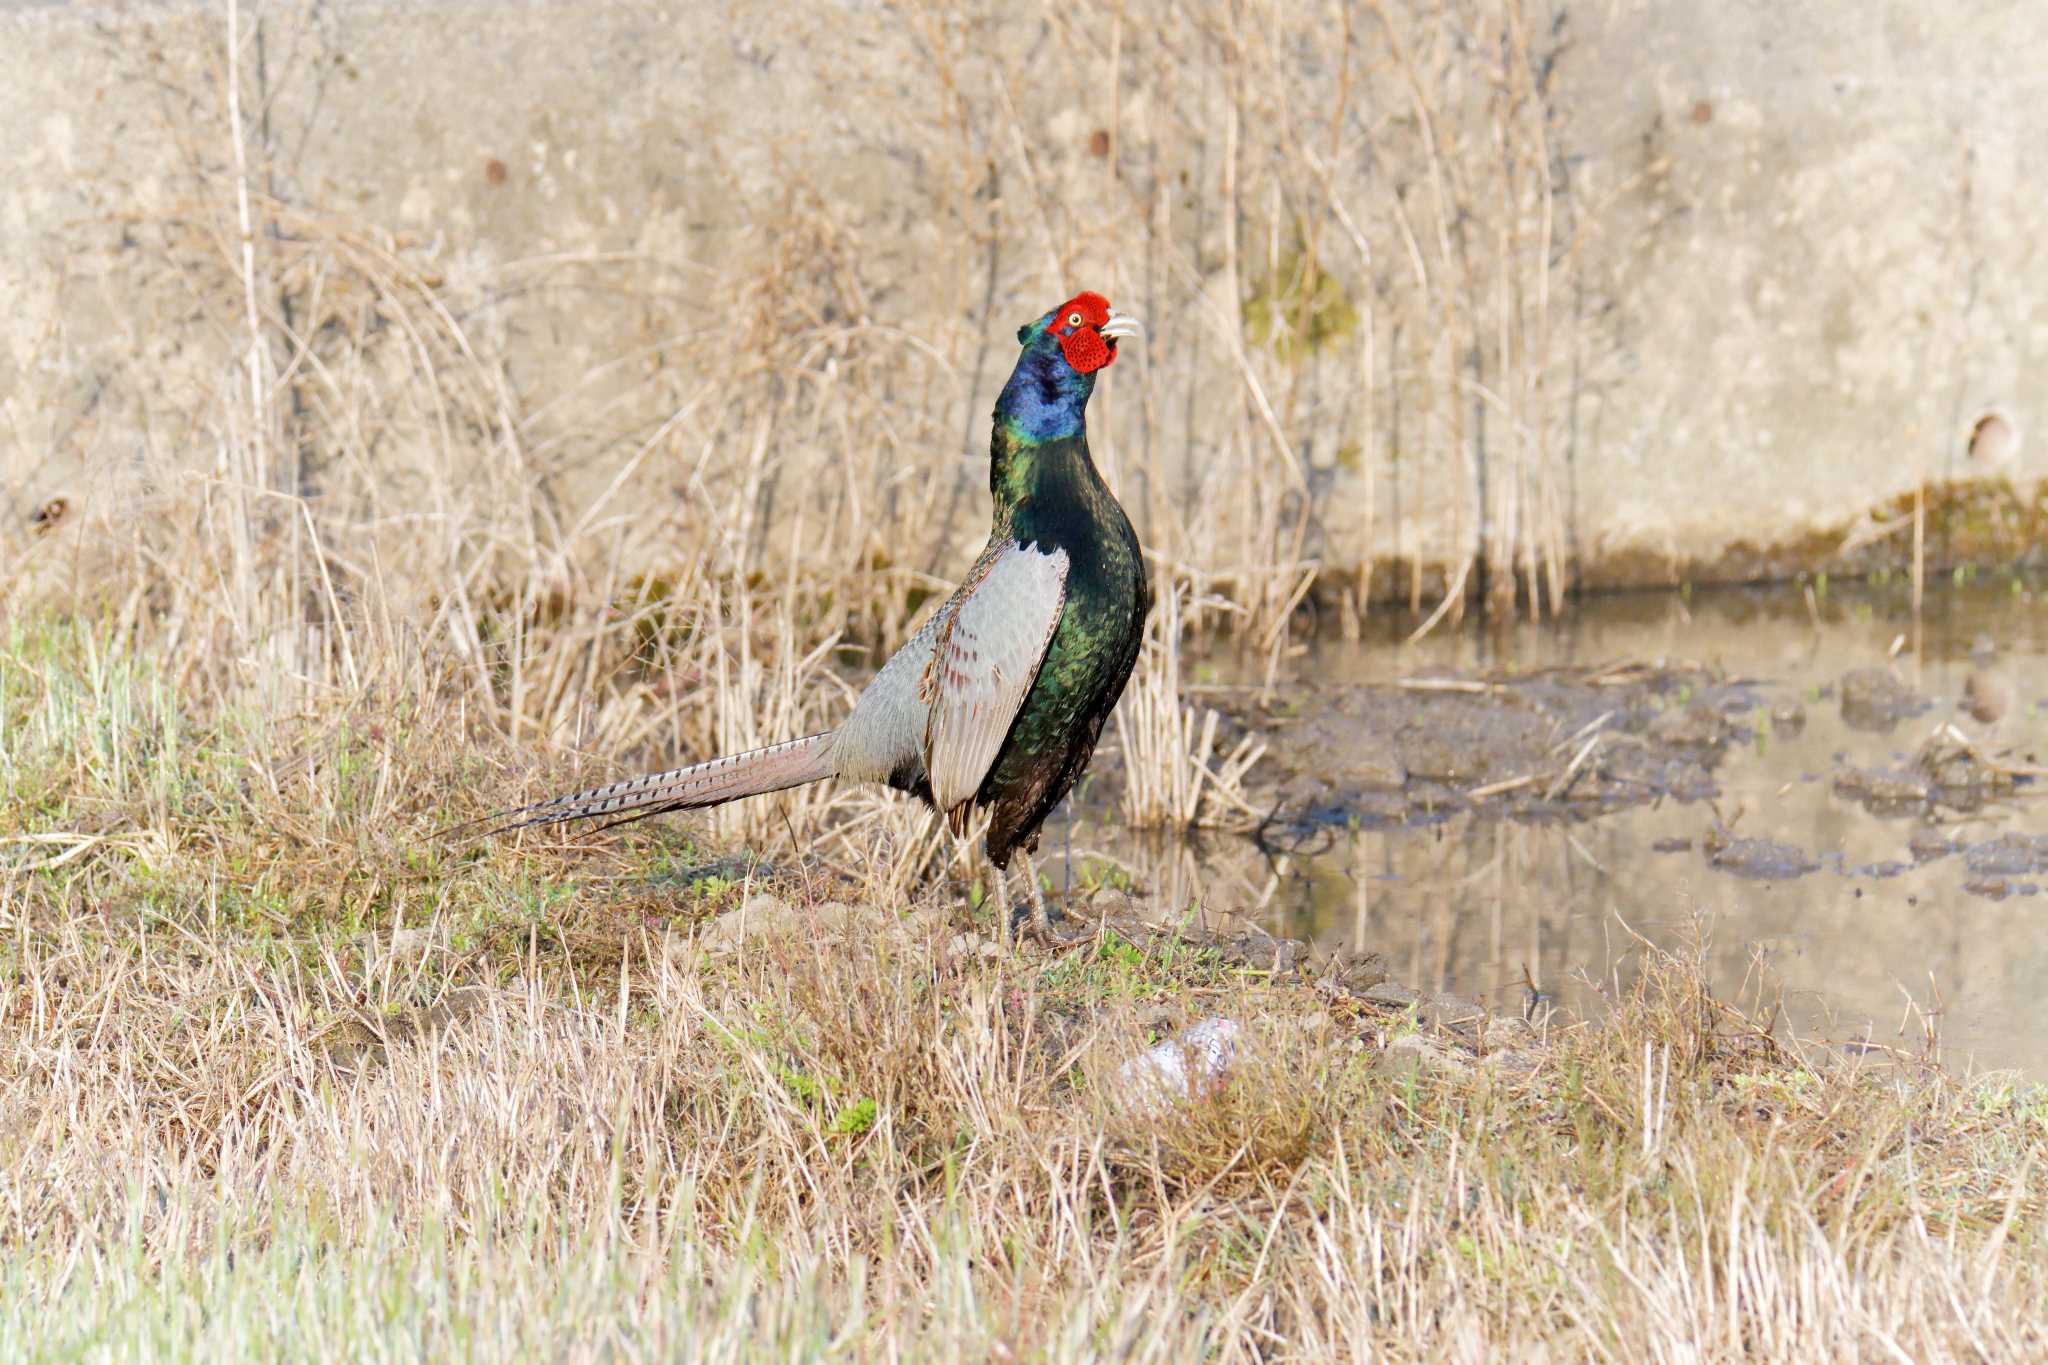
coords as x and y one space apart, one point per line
1194 1061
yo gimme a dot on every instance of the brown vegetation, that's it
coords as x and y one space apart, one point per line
279 1066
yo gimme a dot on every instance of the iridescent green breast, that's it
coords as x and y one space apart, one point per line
1092 651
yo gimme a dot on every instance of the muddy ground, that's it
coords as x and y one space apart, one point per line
1575 744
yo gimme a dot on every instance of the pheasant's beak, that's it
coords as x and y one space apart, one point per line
1119 326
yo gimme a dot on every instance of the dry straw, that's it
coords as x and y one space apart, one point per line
355 469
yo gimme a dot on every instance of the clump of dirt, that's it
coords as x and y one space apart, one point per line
1928 842
1884 791
1998 888
1698 726
2009 855
1565 743
1962 775
1877 699
1947 771
1763 860
1998 867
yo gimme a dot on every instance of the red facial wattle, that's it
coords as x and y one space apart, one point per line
1085 349
1075 323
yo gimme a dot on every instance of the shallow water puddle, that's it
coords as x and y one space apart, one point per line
1855 832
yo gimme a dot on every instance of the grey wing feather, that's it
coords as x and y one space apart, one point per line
983 663
884 737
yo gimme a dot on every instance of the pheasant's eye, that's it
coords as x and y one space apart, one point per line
1073 319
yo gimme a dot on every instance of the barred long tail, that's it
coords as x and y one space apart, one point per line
789 764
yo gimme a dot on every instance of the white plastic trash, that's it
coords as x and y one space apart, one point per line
1195 1059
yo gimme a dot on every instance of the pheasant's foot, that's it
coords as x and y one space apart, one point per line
1042 929
1041 921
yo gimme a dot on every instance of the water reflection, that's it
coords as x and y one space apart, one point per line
1851 949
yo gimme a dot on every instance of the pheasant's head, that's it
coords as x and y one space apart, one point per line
1047 396
1087 330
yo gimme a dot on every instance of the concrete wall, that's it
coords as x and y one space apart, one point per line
1821 228
1670 289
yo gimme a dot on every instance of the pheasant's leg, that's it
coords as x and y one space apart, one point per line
1041 918
1005 914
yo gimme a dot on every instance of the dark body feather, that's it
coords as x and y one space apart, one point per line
1059 501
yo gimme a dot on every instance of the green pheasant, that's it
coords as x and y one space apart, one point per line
996 703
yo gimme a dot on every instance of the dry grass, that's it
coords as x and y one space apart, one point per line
1174 776
1341 224
639 508
279 1067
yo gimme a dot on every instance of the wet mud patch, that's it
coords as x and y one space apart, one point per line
1564 746
1559 744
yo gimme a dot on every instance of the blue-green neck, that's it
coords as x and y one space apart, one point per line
1046 398
1040 441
